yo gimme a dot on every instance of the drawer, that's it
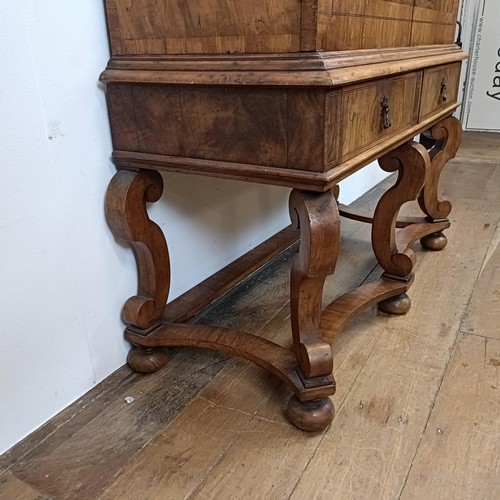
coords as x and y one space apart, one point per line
439 88
373 112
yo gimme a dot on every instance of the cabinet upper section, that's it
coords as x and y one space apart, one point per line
168 27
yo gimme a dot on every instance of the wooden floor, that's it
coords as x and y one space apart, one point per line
418 400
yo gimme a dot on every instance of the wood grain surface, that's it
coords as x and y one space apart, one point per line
276 26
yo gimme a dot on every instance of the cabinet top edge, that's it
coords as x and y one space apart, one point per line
312 69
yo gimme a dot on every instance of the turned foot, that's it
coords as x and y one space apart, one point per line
434 241
147 360
397 305
312 416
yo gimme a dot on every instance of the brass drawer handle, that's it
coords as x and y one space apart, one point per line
385 109
444 90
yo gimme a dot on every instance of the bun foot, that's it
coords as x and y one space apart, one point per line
311 416
434 241
143 360
396 306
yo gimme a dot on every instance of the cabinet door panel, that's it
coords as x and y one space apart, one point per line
434 22
358 32
200 27
364 24
436 11
432 34
394 9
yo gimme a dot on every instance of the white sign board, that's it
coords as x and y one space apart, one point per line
482 104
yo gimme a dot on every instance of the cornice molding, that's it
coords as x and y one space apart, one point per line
311 69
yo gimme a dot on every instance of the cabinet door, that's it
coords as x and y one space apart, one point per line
365 24
434 21
163 27
396 9
436 11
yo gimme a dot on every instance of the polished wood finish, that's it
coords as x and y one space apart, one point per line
318 220
196 27
395 306
436 91
296 93
311 69
143 360
434 21
127 217
412 162
336 315
312 416
144 27
279 361
265 127
358 24
447 136
435 241
365 106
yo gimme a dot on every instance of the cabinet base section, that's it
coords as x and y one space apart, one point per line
318 179
310 408
306 369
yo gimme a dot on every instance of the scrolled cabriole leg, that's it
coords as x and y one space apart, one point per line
316 215
443 141
412 161
127 217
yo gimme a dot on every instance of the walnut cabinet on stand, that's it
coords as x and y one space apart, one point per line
296 93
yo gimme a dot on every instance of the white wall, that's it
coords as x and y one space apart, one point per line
63 277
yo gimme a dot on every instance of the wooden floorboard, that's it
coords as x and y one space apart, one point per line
483 314
11 488
369 448
417 400
459 455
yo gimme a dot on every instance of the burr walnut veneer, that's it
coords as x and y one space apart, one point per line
296 93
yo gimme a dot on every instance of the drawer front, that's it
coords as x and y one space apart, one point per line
259 126
439 88
375 111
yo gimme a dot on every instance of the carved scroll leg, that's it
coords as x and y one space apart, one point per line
443 141
316 214
127 216
412 162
